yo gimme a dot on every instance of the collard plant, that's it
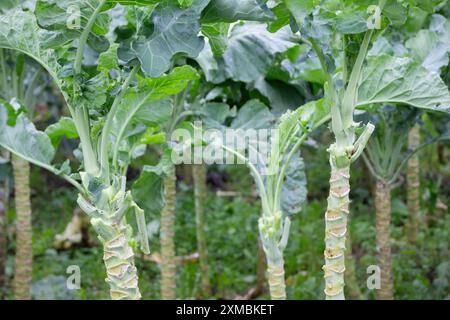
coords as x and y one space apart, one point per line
246 53
213 22
339 35
281 181
106 96
386 155
20 87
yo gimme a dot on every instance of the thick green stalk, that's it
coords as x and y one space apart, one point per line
199 176
383 222
119 261
107 218
24 254
81 120
343 152
277 285
104 150
336 226
167 234
274 232
413 185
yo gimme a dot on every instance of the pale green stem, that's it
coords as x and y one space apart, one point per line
84 37
108 124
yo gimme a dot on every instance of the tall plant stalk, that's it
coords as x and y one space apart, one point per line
385 160
413 186
3 242
383 223
167 234
24 254
343 152
199 176
13 87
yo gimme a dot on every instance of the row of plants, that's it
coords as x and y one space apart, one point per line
133 72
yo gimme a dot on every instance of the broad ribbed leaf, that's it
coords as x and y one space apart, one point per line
251 51
253 115
25 141
63 14
19 31
431 47
234 10
175 31
387 79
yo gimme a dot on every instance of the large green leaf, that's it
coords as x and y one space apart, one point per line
25 141
431 47
253 115
20 31
251 51
234 10
57 15
175 31
387 79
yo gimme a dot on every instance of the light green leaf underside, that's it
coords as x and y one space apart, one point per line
25 141
19 31
387 79
66 14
